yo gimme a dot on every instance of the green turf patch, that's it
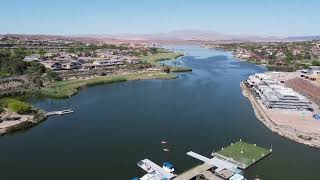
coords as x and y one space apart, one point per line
244 153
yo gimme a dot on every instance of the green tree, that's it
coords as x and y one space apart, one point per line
19 107
316 63
153 50
42 51
52 75
307 55
1 110
289 56
71 50
35 68
16 105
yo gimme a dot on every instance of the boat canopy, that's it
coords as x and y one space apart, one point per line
168 165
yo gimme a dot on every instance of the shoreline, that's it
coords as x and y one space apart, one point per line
40 116
68 88
309 139
21 125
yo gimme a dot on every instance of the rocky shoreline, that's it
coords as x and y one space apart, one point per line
38 117
309 139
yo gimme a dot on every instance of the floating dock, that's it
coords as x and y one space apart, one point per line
154 172
227 164
63 112
242 154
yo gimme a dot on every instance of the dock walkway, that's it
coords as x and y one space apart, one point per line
67 111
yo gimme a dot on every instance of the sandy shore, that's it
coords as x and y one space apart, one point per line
295 125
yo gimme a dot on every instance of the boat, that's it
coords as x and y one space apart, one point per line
154 171
145 166
168 167
166 150
163 142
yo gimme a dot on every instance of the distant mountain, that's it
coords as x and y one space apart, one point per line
181 36
186 35
303 38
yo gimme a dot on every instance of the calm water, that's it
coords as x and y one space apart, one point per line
114 126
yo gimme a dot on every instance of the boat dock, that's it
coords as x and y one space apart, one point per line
63 112
227 164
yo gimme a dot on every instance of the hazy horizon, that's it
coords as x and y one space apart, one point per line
272 18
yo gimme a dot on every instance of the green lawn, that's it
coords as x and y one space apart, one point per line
244 152
153 58
64 89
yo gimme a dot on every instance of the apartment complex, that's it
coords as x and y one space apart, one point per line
275 95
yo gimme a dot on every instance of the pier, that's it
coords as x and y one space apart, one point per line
63 112
227 164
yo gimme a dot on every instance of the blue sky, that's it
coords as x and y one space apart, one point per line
261 17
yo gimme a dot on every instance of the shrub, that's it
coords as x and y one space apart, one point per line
16 106
19 107
1 110
316 63
52 76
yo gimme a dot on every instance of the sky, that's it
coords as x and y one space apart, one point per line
73 17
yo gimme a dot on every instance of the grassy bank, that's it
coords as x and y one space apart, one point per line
179 69
15 105
154 58
64 89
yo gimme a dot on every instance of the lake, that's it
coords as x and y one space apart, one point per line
116 125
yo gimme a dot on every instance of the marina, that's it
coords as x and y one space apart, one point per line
116 125
154 171
227 164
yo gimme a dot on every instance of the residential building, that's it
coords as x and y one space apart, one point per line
33 57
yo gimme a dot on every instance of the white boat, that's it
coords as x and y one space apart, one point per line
163 142
145 166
